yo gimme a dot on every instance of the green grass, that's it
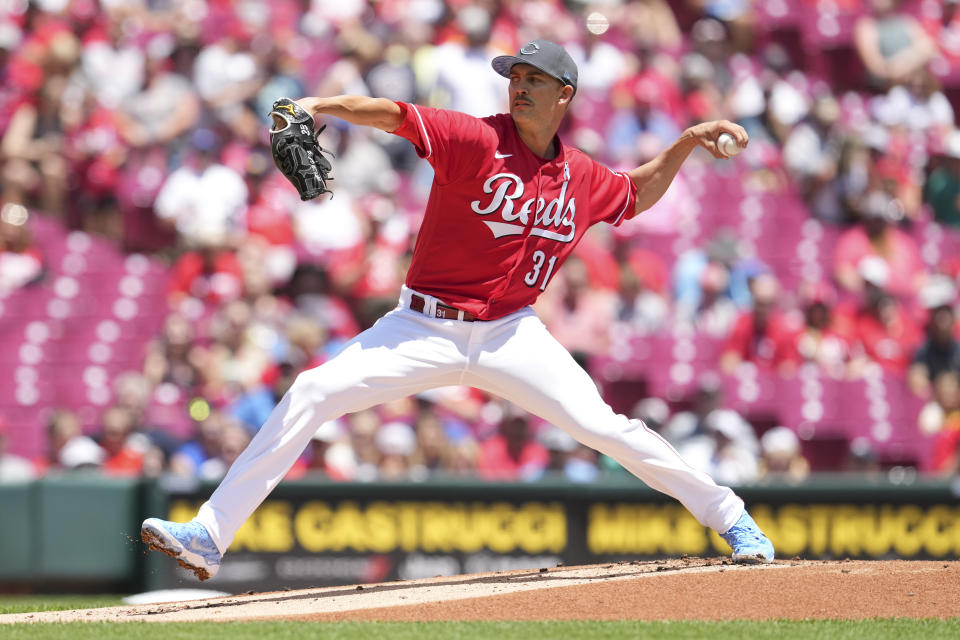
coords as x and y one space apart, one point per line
31 603
898 629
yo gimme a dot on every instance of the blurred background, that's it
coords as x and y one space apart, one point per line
785 319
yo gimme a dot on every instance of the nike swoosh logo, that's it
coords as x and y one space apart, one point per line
498 155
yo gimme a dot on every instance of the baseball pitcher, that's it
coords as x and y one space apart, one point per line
508 204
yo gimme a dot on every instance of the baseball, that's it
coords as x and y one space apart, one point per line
728 145
597 23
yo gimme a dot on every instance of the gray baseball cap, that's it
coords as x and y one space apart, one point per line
547 56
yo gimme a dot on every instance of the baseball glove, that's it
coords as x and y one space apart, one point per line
296 151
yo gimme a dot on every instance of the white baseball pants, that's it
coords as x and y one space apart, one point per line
406 352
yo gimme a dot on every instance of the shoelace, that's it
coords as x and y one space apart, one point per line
744 532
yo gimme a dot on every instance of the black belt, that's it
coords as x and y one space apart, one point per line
445 312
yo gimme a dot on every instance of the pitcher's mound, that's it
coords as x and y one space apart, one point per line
681 589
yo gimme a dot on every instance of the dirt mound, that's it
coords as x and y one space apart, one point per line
687 588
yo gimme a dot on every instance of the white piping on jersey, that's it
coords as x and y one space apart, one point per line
498 155
423 130
626 199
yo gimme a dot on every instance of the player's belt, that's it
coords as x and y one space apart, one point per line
418 303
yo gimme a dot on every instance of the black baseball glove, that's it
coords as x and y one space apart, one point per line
296 151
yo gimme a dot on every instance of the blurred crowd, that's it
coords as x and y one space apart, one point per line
145 122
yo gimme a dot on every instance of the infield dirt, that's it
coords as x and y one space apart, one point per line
678 589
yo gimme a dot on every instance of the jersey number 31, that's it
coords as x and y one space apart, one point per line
539 257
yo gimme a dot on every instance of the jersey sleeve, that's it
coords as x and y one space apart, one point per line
448 140
613 196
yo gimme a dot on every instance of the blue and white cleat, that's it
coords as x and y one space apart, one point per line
749 544
188 543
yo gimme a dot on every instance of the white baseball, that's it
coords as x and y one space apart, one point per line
728 145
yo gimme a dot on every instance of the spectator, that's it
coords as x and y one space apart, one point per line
861 457
705 76
238 356
945 457
21 261
63 429
941 350
652 24
942 189
11 92
124 455
205 445
464 77
111 63
173 356
253 405
363 429
512 454
643 117
884 328
942 412
943 27
397 443
208 273
34 170
81 454
567 457
311 292
726 449
891 44
226 75
781 457
330 455
877 236
233 440
827 335
723 249
717 313
639 307
691 422
203 199
305 338
576 313
434 450
164 107
737 16
131 392
917 105
13 468
463 458
602 63
812 154
761 335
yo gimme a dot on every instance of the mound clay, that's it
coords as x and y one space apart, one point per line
686 588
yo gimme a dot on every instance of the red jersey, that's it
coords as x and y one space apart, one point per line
500 220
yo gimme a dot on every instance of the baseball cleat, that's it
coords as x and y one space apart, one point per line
749 544
188 543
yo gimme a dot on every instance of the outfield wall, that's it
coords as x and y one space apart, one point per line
83 529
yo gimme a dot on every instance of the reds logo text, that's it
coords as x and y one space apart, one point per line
552 220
